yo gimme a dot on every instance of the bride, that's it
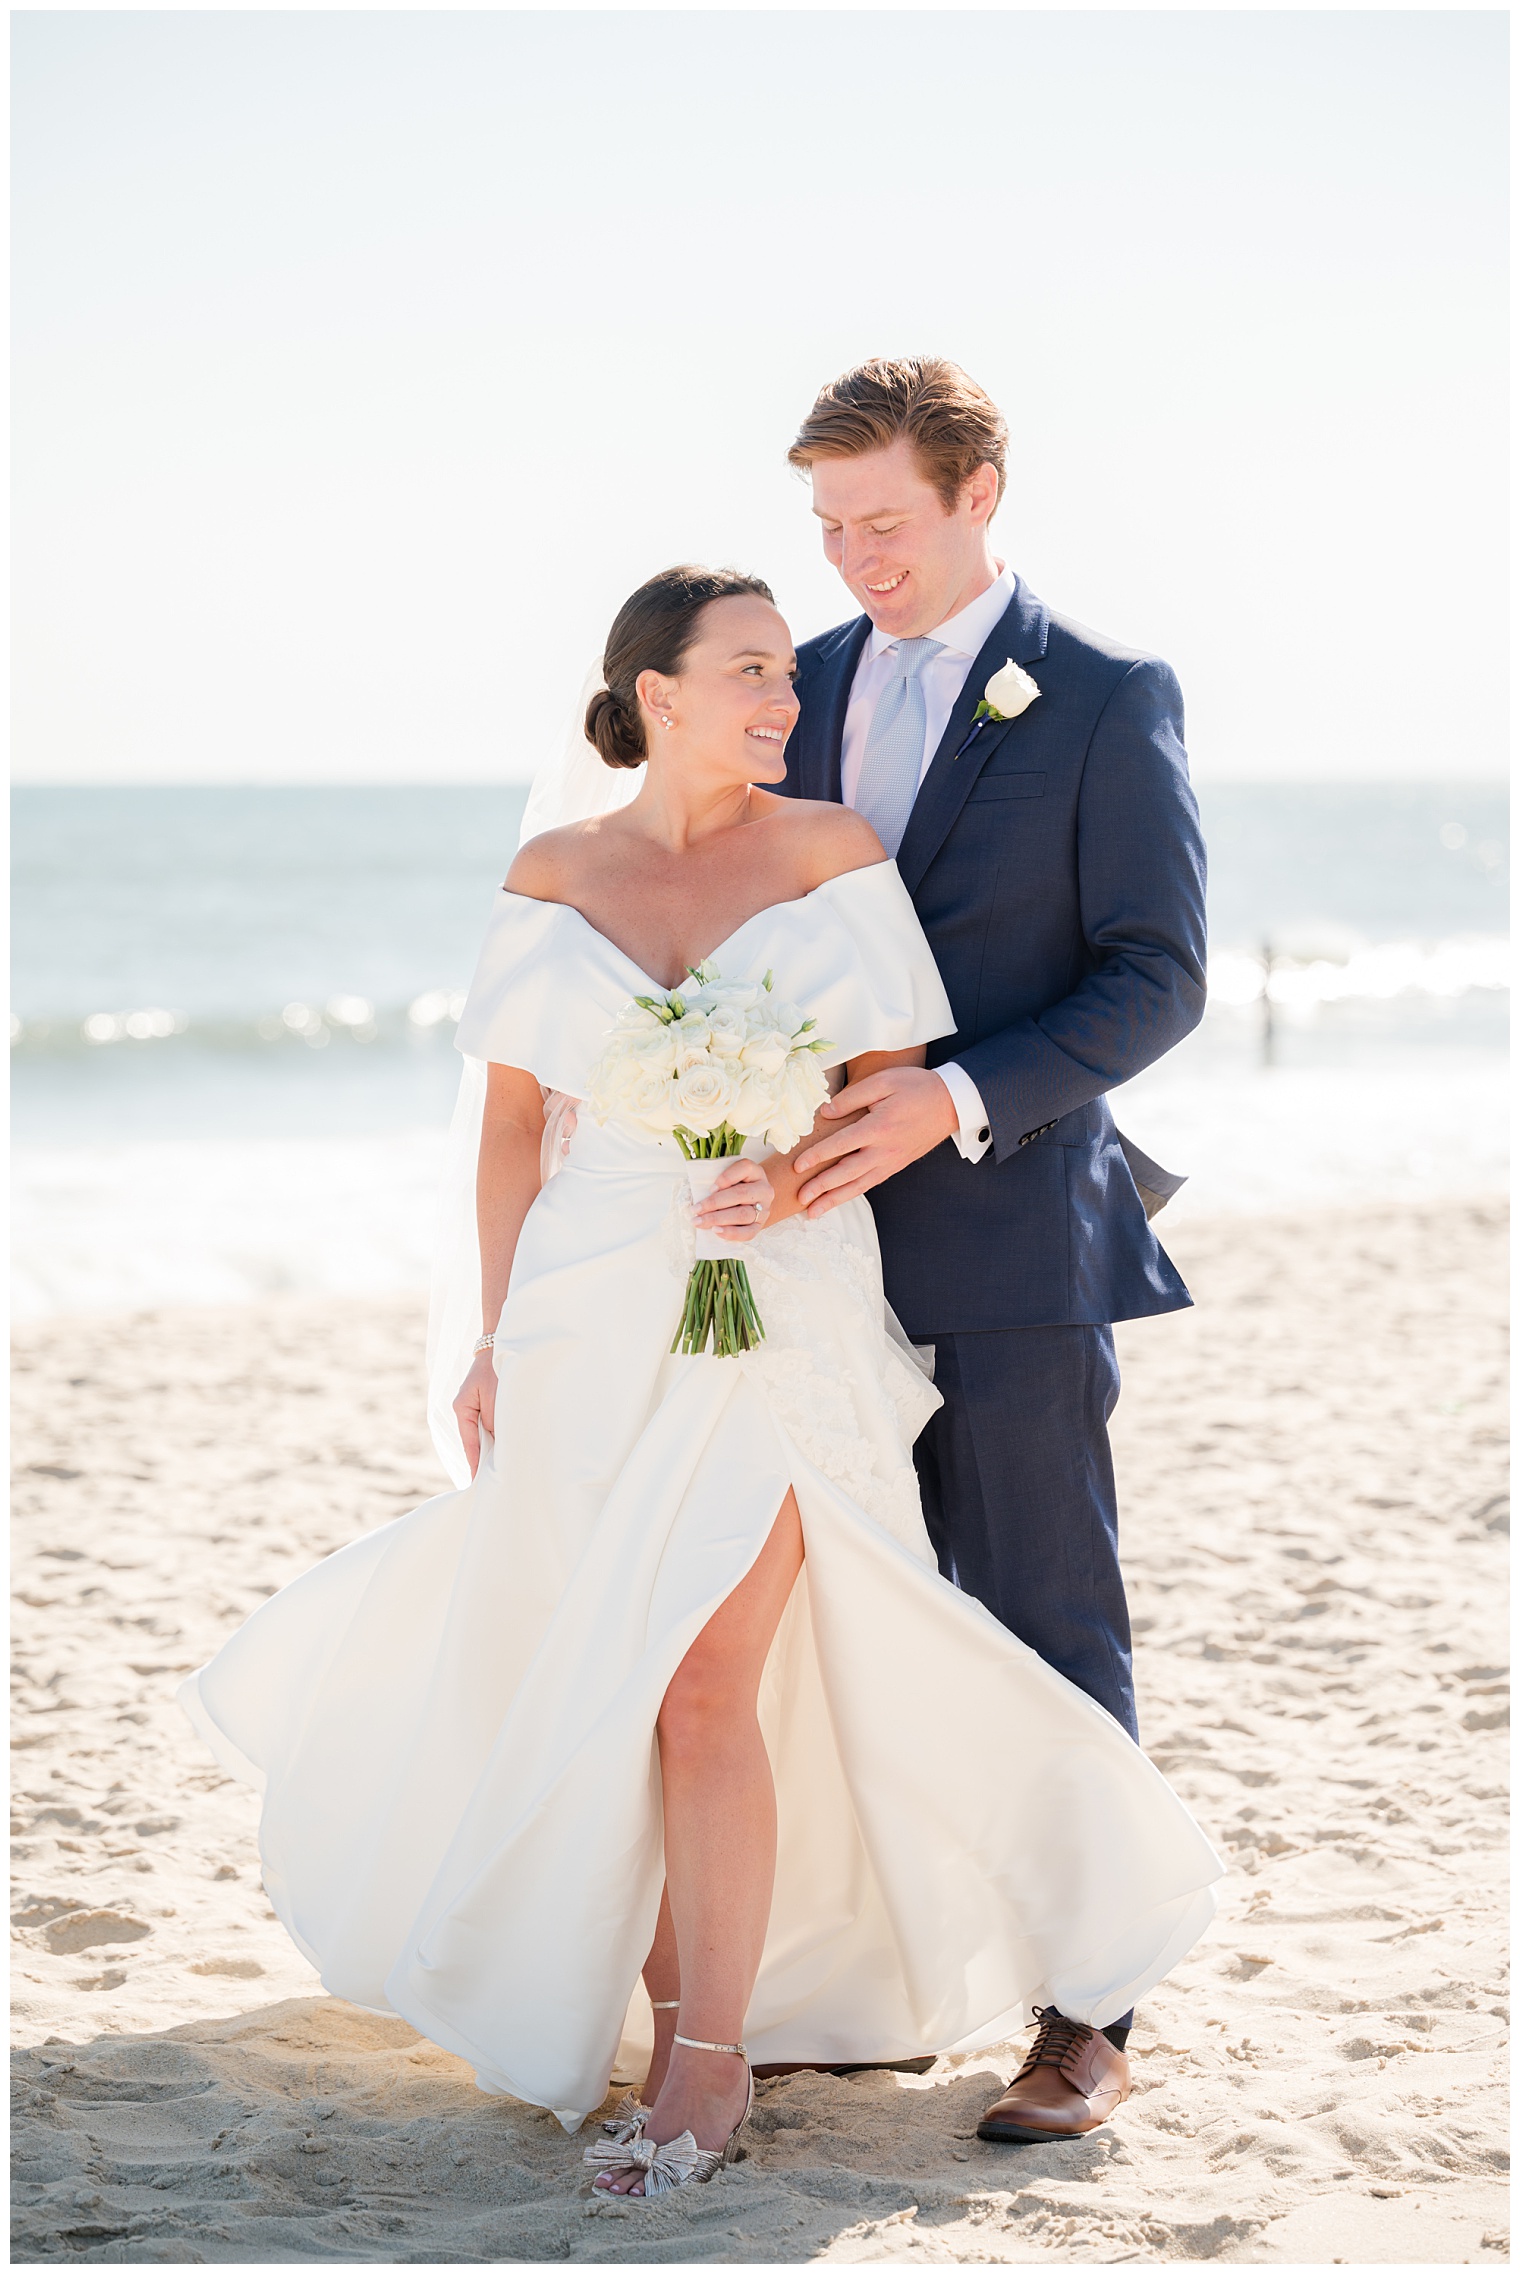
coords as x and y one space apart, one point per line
658 1746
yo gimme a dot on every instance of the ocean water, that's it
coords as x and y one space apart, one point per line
233 1016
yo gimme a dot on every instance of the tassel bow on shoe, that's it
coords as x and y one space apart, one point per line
668 2164
629 2117
671 2164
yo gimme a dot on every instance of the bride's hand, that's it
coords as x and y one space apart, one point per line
739 1202
475 1406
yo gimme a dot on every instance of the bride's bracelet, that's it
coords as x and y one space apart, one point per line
486 1342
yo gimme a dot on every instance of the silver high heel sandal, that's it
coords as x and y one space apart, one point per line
672 2163
630 2114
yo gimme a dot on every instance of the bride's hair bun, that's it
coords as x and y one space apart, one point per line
617 739
654 630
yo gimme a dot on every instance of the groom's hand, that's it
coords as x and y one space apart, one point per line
908 1111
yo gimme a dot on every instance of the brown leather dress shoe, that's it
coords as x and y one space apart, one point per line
1071 2082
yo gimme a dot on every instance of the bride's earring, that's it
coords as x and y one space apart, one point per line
666 720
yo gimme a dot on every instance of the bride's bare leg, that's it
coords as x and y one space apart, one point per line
720 1842
662 1979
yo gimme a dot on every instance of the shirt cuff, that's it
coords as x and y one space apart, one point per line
974 1134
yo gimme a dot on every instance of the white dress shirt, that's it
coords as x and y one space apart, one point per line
962 638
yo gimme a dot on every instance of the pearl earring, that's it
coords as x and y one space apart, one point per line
666 720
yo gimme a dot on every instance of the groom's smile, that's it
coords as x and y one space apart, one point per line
911 560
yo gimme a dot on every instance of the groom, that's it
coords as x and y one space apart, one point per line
1029 776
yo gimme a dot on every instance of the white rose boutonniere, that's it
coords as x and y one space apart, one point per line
1007 693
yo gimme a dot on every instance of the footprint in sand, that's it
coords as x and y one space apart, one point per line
85 1930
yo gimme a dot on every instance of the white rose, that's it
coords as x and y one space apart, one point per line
690 1036
636 1020
773 1015
653 1053
740 992
650 1101
764 1053
729 1029
609 1079
627 1059
756 1101
803 1089
1010 691
702 1095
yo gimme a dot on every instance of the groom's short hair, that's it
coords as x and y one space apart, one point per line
953 426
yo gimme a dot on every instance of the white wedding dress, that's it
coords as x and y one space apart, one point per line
453 1718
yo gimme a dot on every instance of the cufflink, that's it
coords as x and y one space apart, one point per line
984 1136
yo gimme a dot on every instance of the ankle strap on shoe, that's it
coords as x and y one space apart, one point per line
702 2045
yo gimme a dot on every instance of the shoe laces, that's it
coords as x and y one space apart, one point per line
1055 2041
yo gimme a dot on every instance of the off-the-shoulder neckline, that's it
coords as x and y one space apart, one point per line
531 900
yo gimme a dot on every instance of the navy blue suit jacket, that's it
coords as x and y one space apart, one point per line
1057 867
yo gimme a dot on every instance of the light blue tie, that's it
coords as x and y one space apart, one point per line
894 752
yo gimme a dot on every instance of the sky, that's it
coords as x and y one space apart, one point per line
365 362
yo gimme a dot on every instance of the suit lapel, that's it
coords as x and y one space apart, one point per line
824 707
1018 637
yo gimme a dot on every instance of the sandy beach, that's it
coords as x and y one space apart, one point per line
1312 1472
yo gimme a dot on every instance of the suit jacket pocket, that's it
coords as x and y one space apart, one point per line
1007 785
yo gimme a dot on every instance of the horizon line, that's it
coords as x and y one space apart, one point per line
1498 780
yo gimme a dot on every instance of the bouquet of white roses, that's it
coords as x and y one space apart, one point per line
711 1064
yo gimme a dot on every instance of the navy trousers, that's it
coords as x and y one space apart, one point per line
1018 1493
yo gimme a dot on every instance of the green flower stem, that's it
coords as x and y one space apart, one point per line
720 1308
720 1303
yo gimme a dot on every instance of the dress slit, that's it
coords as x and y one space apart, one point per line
742 1582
